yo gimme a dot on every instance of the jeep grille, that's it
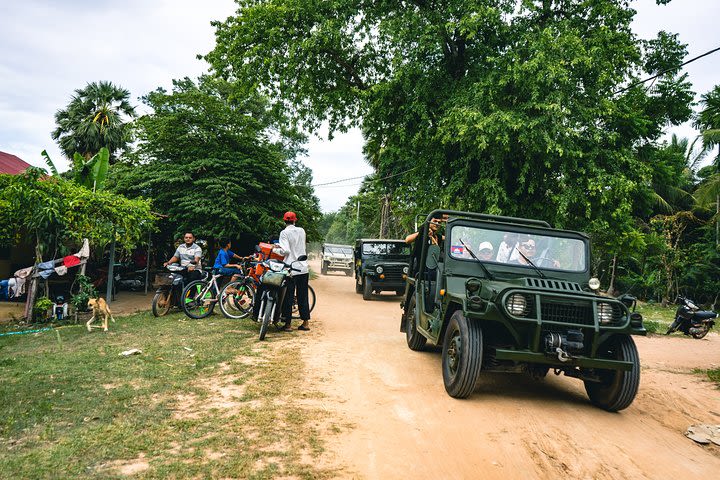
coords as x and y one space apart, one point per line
553 284
564 310
393 272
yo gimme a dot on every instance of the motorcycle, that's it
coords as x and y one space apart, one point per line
274 281
169 292
690 320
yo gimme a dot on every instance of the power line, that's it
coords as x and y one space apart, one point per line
665 71
355 178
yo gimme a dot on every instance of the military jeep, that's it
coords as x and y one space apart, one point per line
380 265
336 257
504 294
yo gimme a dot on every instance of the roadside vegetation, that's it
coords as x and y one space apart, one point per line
202 400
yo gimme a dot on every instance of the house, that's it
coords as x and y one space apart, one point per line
22 255
11 164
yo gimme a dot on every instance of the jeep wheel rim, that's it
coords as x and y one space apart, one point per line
453 352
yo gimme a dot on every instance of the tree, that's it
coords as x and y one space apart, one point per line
708 121
55 211
97 116
216 160
511 109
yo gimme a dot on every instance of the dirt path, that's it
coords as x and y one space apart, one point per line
406 426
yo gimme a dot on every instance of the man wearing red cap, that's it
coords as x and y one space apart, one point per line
292 246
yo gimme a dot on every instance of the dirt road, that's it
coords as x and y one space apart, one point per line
406 426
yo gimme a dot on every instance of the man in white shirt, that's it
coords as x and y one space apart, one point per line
292 246
189 255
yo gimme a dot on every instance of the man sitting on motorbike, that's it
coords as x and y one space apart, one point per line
189 255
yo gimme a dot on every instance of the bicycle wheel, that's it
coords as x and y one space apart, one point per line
267 316
236 299
198 299
311 303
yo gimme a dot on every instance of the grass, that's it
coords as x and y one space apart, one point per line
205 399
713 375
656 318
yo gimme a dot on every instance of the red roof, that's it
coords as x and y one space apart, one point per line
12 164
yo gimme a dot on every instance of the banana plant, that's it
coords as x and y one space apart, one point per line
92 173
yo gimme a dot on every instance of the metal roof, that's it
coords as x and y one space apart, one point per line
12 164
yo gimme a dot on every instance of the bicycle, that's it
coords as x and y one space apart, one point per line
275 281
237 297
200 296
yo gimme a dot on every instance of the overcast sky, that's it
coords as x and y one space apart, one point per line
51 48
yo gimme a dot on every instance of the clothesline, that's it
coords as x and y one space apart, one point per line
45 269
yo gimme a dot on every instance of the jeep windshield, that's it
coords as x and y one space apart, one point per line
386 249
339 250
519 249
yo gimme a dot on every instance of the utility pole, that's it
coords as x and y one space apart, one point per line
385 216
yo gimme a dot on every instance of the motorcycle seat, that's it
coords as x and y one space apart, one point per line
705 314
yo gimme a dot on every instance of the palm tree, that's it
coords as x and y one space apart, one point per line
708 122
97 116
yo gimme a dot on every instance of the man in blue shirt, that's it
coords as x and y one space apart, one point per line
223 259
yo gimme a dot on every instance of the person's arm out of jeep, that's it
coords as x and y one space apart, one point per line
412 237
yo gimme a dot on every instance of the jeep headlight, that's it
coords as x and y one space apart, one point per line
406 270
605 313
517 304
379 269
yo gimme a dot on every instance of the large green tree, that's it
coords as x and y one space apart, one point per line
218 161
512 107
97 116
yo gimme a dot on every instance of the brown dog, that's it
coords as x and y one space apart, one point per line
99 307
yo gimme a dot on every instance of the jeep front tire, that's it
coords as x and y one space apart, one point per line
367 288
617 388
461 355
415 340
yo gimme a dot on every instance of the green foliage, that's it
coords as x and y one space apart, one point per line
40 309
91 173
85 291
216 160
96 117
509 109
56 211
49 162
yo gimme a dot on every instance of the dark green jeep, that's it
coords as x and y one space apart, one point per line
513 295
380 265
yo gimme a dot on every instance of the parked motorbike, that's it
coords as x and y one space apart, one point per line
169 292
274 282
690 320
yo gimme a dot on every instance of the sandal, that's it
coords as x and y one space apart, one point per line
304 328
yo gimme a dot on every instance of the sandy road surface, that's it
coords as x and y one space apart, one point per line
406 426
